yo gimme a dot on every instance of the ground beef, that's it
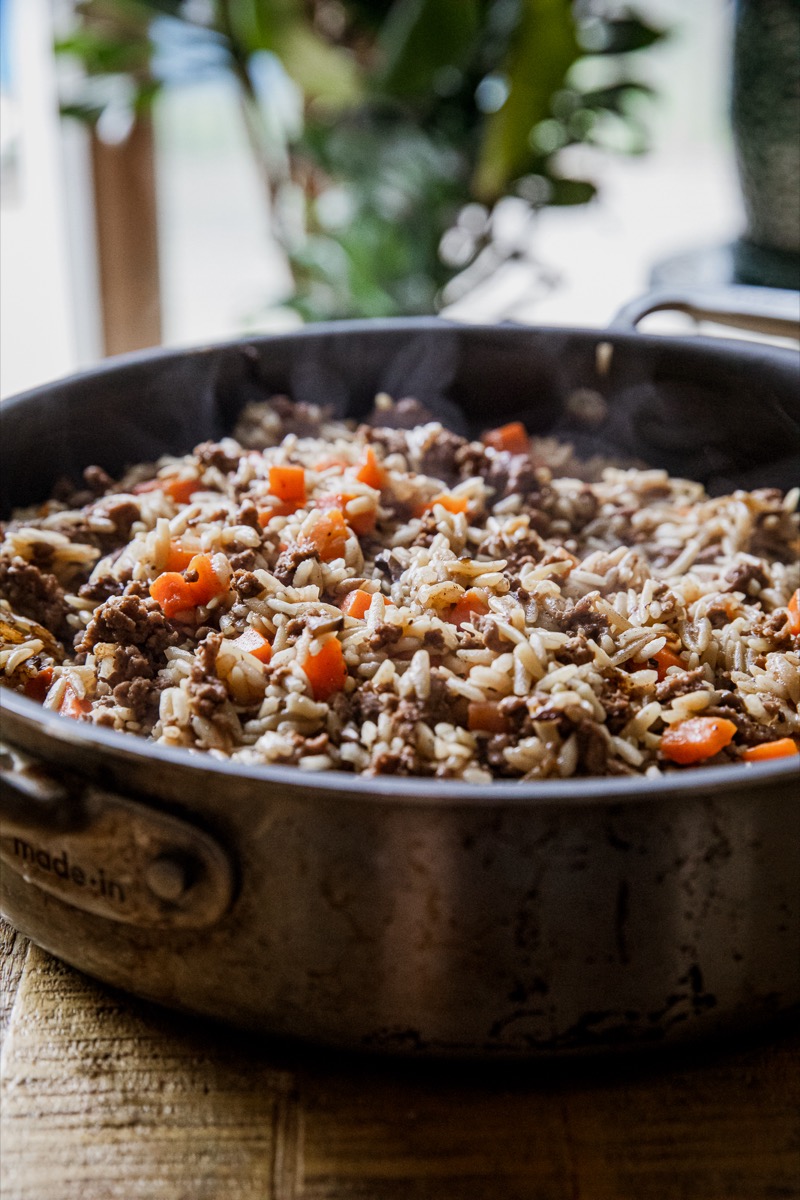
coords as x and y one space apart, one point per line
407 762
246 584
515 710
248 515
207 692
130 621
584 618
385 763
680 684
303 420
437 706
528 549
493 638
748 730
129 663
103 587
493 752
405 414
34 593
384 635
616 700
389 565
439 458
512 474
583 508
593 747
123 513
97 480
472 460
222 455
741 576
433 639
391 441
141 695
428 529
718 612
369 703
207 695
290 559
576 650
243 560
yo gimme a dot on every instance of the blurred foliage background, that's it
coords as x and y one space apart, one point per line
386 132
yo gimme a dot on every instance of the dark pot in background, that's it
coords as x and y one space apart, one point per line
765 116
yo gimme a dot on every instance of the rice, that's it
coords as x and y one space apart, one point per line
419 605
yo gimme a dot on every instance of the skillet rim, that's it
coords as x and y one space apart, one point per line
378 325
419 791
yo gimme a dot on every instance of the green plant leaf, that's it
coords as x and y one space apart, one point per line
419 38
542 50
617 97
102 54
323 71
571 191
619 36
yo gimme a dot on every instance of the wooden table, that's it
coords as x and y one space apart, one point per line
108 1098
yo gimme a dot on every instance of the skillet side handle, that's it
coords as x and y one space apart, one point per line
774 312
108 855
32 799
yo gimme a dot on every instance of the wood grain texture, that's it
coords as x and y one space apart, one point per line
724 1125
106 1100
13 952
105 1097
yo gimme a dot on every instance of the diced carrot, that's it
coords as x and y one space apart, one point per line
512 437
453 504
696 739
181 490
361 523
326 671
37 686
329 535
178 558
370 471
173 593
279 508
208 584
780 748
254 643
178 490
485 715
471 604
72 705
288 484
665 659
793 611
356 603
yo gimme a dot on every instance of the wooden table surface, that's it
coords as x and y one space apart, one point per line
108 1098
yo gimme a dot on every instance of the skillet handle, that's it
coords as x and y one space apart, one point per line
31 799
108 855
774 312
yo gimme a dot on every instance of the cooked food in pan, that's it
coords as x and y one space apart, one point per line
391 598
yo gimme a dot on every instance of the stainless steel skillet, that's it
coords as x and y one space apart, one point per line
508 920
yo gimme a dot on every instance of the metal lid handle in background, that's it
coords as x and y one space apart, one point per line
774 312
